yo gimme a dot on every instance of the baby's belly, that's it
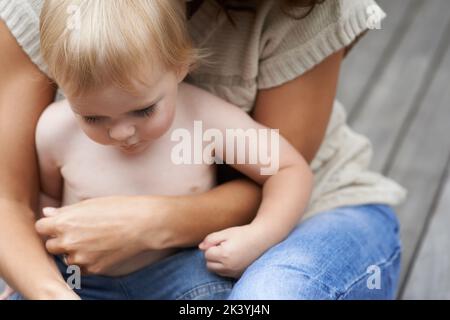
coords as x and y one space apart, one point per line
138 262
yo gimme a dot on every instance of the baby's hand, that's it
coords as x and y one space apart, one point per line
229 252
8 292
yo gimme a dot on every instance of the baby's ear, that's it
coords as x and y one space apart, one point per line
182 73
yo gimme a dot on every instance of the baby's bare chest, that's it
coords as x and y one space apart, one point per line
96 171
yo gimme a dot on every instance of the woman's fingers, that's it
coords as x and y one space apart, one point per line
50 212
47 227
55 247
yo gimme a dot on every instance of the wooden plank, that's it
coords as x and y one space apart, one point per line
430 278
393 97
366 59
422 156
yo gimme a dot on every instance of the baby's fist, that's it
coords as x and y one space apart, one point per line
229 252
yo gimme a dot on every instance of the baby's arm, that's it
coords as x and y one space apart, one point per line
286 193
49 147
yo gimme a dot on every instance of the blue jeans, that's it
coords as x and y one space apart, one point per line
345 253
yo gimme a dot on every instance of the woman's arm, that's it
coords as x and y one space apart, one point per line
303 106
24 93
231 204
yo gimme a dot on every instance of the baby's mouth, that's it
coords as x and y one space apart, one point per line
136 147
129 147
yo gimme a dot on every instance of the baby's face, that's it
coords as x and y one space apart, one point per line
129 122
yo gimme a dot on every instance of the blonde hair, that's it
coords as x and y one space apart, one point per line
88 44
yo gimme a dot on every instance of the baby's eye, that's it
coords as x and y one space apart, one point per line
92 120
147 112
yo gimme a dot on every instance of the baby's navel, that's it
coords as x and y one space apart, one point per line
194 189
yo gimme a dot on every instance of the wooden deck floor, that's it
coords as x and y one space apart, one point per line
396 86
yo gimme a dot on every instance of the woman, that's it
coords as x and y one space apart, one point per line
283 69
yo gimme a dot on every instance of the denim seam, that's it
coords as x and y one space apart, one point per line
331 291
124 289
385 263
218 286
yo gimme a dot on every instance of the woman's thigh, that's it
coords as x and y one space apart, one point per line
345 253
181 276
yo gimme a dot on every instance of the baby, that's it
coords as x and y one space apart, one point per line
121 65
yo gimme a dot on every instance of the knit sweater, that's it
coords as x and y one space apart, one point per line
265 48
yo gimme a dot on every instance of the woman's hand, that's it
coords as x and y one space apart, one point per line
98 234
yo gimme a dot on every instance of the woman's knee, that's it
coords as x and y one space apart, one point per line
294 282
330 256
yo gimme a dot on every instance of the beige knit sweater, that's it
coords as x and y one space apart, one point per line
266 49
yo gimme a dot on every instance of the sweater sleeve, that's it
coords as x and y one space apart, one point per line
22 19
291 47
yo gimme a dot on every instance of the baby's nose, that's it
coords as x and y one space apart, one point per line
122 132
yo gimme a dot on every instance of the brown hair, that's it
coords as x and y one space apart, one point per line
286 6
310 4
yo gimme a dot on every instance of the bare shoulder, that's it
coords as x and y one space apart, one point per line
56 127
195 95
207 106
